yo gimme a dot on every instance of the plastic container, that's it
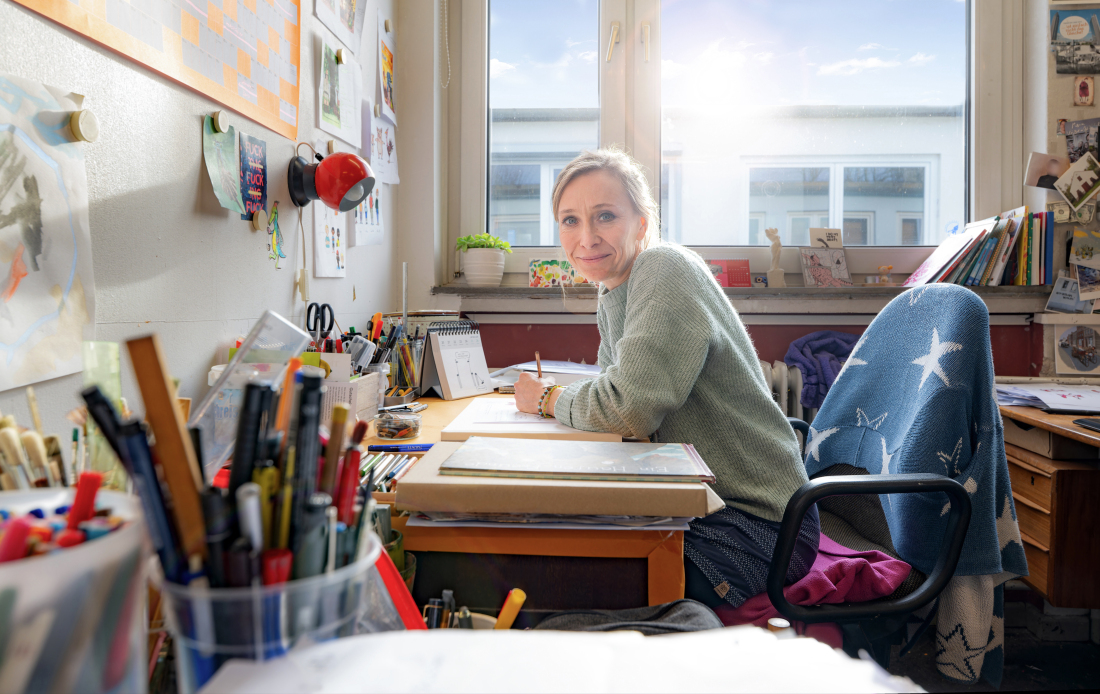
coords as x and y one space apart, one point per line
210 626
393 426
383 381
74 620
392 400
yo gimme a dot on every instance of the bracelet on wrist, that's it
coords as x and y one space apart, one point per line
545 400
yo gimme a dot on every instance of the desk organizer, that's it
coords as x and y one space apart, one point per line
211 625
73 620
390 401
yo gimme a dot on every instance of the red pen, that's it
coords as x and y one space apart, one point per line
83 506
277 564
349 480
14 543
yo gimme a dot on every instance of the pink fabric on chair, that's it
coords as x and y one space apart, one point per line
838 575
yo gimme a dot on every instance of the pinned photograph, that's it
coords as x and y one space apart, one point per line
1076 350
1081 137
829 238
1082 91
1074 34
1061 126
1086 248
825 267
1065 298
1088 282
1080 182
1043 170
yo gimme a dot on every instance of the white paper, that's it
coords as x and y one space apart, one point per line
339 92
330 234
1052 395
344 18
47 294
338 392
505 412
385 69
367 221
383 146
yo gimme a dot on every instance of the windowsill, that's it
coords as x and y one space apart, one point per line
747 300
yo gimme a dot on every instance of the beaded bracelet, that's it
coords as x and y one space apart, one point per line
545 399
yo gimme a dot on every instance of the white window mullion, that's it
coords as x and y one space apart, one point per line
613 73
644 118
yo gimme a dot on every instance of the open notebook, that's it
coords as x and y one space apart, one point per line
498 417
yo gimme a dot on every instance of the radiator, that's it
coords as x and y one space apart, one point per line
786 386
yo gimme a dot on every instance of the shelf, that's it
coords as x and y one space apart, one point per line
1067 318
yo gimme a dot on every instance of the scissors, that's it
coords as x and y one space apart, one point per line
315 321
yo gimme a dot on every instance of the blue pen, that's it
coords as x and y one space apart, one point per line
401 448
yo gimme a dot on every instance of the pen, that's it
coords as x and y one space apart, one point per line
267 477
309 560
103 414
239 570
305 457
334 448
330 521
216 518
538 364
249 515
349 479
401 448
83 506
70 469
433 613
139 460
510 610
465 621
248 434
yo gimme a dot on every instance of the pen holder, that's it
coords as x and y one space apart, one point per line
383 381
73 620
392 400
209 626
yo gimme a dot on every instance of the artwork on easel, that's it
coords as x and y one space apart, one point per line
825 267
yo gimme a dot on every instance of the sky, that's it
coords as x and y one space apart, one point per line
545 53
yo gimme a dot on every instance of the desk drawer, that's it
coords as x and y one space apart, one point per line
1033 522
1031 485
1037 565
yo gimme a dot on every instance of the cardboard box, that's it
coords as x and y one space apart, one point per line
424 489
1047 443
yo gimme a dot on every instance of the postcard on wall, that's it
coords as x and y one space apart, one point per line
1081 137
825 267
385 69
223 165
1065 298
1088 282
1085 249
1044 169
367 221
1080 181
1074 33
826 238
48 295
1082 90
329 241
344 18
1076 350
338 95
253 174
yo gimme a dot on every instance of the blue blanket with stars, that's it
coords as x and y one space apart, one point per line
916 395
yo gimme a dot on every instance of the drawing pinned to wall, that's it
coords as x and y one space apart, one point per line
275 236
222 164
367 222
381 135
253 174
385 69
825 267
47 304
338 92
329 241
343 18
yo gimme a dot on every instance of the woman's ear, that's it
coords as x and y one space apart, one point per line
642 229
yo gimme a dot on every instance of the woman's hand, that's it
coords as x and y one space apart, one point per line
529 392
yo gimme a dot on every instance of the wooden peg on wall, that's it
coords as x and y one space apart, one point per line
386 24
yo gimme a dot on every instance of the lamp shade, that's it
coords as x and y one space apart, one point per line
340 180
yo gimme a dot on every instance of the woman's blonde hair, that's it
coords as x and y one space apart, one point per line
629 173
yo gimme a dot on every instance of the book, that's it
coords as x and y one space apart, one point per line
1020 277
1030 250
1004 255
941 258
981 229
1000 255
1049 264
986 267
498 417
571 460
976 269
963 270
424 489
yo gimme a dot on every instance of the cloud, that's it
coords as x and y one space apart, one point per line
871 46
498 68
588 56
853 66
921 59
763 58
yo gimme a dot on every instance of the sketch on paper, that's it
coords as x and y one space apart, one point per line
344 18
825 267
329 241
275 236
330 87
223 165
47 301
368 222
385 70
383 148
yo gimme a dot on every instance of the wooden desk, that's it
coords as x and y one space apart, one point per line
1057 511
571 569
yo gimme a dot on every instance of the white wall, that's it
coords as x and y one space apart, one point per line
167 258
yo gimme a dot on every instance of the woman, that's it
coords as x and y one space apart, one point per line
677 366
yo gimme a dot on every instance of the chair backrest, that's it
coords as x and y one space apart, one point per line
916 396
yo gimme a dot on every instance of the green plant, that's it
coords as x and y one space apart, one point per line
485 240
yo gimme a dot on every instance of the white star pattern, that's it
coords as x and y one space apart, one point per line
862 420
970 486
946 508
851 361
1007 529
931 361
916 294
816 439
885 459
951 462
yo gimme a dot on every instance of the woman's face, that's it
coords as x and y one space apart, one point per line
599 228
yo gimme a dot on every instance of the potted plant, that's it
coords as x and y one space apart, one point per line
483 259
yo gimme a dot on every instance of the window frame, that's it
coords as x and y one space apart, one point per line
630 95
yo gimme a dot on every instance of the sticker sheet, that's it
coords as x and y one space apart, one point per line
47 299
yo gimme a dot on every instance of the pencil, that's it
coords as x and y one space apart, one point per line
538 363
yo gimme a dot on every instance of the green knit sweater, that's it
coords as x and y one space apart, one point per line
676 360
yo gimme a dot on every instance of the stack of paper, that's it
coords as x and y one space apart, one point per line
500 418
1051 397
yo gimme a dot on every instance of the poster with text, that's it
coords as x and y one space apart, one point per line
330 236
367 221
385 69
338 95
253 175
47 294
344 18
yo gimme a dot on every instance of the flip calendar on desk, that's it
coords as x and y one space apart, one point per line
454 361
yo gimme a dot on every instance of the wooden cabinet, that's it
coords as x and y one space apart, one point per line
1058 510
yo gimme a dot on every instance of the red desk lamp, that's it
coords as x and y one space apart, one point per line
340 180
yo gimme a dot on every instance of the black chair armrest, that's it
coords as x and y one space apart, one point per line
958 521
802 428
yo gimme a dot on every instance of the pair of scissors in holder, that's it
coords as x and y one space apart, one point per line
316 323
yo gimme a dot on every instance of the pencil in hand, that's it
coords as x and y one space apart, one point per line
538 363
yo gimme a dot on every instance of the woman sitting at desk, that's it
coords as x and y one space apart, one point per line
677 366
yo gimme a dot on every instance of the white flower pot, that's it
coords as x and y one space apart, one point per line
483 267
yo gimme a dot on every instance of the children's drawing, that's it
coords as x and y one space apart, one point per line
344 18
825 267
367 219
330 87
385 69
223 165
47 295
275 236
329 241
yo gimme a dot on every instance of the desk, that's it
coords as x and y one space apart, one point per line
574 569
1057 511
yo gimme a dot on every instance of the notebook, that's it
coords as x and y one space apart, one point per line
453 364
499 417
578 460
